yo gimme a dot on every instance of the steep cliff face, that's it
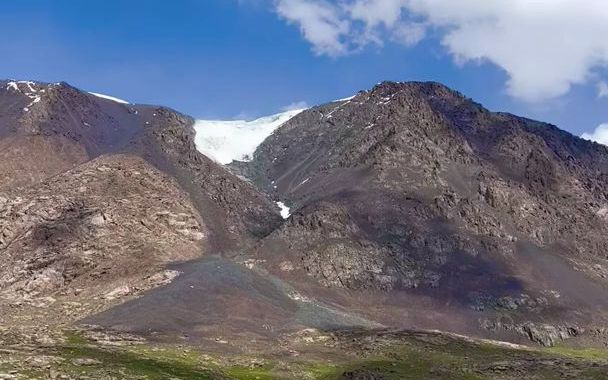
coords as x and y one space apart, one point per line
237 213
411 189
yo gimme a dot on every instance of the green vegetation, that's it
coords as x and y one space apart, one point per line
246 373
125 363
592 354
407 356
143 361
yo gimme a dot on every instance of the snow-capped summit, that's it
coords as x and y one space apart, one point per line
32 90
227 141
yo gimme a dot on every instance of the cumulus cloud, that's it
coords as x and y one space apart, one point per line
319 22
600 135
544 46
409 34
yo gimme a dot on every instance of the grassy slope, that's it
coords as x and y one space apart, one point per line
411 357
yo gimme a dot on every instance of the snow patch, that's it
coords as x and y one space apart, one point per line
227 141
329 115
29 91
12 85
299 297
29 85
107 97
345 99
35 99
285 211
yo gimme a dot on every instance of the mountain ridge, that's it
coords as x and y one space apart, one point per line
85 174
414 186
411 206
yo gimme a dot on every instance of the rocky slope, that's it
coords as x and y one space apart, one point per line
426 209
98 196
50 128
412 207
85 234
346 355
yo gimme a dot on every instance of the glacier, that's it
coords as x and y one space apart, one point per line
235 140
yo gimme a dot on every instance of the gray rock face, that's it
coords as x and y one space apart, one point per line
91 221
543 334
237 213
548 335
411 187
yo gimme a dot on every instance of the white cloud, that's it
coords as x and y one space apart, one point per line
319 22
376 12
602 89
409 34
600 135
544 46
295 106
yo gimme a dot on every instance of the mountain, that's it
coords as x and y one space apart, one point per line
406 232
98 196
420 208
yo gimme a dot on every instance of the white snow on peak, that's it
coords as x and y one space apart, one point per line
30 85
12 85
285 211
31 90
345 99
107 97
227 141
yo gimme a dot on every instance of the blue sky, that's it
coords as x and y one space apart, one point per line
230 58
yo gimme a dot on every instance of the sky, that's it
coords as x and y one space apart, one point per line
241 59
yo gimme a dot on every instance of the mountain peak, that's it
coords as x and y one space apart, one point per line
428 88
